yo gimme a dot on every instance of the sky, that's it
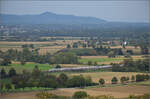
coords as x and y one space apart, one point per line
124 11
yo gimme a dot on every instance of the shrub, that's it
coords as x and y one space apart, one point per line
102 81
12 72
89 62
3 73
80 95
114 80
133 78
123 80
58 66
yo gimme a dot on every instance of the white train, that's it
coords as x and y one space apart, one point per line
79 68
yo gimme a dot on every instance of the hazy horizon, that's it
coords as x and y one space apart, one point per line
118 11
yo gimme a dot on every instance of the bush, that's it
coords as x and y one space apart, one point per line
145 96
89 62
123 80
141 77
114 80
12 72
80 95
3 73
58 66
102 81
133 78
76 81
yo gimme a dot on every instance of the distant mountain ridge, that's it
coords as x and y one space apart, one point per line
48 18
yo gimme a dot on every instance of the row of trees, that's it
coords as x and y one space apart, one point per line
124 79
40 79
130 65
28 55
4 74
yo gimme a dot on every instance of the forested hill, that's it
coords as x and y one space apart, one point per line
51 24
48 18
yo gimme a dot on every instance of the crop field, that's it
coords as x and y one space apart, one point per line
54 46
145 83
105 59
119 92
28 66
50 47
71 65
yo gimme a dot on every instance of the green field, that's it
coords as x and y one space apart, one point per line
85 60
106 60
144 83
29 67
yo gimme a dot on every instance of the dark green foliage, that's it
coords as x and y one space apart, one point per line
68 46
46 95
83 52
130 52
12 72
80 95
75 45
145 96
33 56
114 80
90 63
133 78
3 73
84 45
147 77
77 81
58 66
118 51
23 62
129 65
6 61
39 79
127 79
62 79
117 68
144 43
101 81
64 58
111 54
142 77
123 80
95 63
100 50
36 72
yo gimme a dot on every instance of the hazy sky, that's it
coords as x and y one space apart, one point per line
127 11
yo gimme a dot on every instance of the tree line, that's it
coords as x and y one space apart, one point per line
130 65
125 80
32 55
39 79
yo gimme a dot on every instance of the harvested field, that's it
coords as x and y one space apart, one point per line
117 92
133 56
127 47
70 65
45 47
